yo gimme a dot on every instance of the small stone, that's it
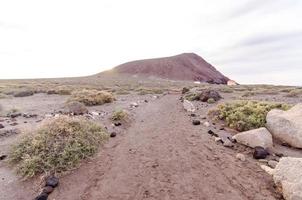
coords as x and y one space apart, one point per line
14 115
212 133
260 153
117 124
193 115
2 157
272 163
14 124
267 169
146 101
47 190
133 104
1 126
94 113
52 181
218 139
42 196
113 134
207 124
228 143
241 157
195 122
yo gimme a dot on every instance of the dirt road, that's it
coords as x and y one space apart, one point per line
163 156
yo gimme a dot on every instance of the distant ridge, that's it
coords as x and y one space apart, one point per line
186 66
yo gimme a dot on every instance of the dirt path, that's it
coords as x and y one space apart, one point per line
163 157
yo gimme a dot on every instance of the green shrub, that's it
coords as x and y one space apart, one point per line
294 93
57 146
211 101
226 90
245 115
92 97
119 115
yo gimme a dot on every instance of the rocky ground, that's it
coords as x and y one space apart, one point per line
158 153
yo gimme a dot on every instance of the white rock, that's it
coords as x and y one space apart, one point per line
253 138
267 169
188 106
94 113
207 124
272 163
286 126
288 177
133 104
217 139
240 156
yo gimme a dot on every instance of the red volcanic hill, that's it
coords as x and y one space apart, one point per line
186 66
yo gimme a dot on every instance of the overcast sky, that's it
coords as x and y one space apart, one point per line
250 41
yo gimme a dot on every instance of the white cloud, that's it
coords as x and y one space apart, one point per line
72 38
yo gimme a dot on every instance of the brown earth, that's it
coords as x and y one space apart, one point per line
187 66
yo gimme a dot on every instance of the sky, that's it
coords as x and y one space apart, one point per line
250 41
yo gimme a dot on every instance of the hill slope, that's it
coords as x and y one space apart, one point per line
187 66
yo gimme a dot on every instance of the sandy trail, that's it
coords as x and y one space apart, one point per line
163 156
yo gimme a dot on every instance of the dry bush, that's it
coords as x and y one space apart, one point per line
23 93
119 115
75 107
57 146
245 115
294 93
92 97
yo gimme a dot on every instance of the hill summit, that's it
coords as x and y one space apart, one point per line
186 66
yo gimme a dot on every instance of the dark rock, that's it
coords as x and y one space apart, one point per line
212 133
52 181
24 93
26 115
47 190
117 124
113 134
42 196
14 114
260 153
209 94
2 157
146 101
195 122
185 90
1 126
193 115
14 124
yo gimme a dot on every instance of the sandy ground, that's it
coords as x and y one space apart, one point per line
159 155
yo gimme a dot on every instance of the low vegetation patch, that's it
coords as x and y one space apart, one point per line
144 91
294 93
23 93
119 115
245 115
57 146
92 97
75 107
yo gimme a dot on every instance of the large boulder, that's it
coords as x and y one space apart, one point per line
255 138
286 126
288 177
205 95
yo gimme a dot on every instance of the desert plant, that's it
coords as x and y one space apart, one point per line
75 107
226 90
57 146
23 93
294 93
92 97
211 101
245 115
119 115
